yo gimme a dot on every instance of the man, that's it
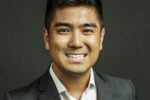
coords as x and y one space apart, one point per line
73 36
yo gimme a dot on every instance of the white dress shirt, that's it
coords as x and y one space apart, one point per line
88 94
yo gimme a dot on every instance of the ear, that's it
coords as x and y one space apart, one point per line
102 38
46 38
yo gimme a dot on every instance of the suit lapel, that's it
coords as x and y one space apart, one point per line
48 88
104 90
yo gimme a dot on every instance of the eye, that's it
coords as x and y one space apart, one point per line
87 31
63 30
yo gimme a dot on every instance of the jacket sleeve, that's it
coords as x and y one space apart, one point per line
7 96
134 92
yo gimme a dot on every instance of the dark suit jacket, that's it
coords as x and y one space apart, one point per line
108 88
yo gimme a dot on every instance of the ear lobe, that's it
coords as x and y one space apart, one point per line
46 38
102 38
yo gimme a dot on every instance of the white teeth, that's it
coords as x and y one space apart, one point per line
75 57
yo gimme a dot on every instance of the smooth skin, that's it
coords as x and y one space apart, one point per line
74 41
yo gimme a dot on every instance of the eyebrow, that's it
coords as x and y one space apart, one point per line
89 25
58 24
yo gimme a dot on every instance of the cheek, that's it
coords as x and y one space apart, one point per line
93 43
58 43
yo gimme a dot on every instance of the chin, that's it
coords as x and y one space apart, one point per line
79 70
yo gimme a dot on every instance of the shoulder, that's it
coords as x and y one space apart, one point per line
32 90
113 80
119 87
28 92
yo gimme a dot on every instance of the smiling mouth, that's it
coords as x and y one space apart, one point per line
76 57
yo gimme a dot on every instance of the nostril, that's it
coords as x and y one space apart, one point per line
75 45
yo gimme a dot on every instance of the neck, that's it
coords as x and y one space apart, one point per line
75 83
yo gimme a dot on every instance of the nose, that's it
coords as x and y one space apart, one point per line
76 40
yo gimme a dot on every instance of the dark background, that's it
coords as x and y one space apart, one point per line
126 45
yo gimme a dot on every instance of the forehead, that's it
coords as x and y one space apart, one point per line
79 14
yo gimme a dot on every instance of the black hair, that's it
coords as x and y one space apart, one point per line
52 5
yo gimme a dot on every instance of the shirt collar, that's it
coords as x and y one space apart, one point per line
92 79
61 88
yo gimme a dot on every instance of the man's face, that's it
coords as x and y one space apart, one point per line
74 39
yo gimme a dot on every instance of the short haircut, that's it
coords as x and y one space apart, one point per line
53 5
